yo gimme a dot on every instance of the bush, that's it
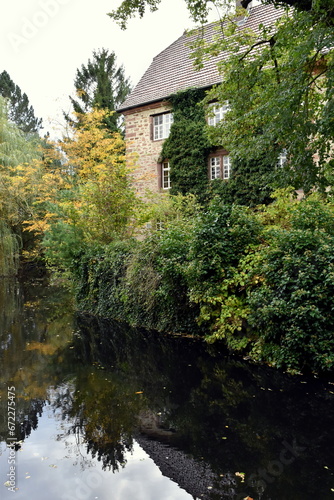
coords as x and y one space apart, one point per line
141 282
293 311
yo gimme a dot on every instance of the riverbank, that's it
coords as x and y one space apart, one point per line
262 283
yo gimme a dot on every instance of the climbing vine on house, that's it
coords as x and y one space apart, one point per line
187 149
187 146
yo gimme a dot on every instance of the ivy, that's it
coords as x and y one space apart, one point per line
187 146
251 183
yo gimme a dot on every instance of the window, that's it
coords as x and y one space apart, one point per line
215 167
165 175
218 112
220 167
282 157
161 126
226 167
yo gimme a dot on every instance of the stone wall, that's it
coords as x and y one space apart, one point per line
142 151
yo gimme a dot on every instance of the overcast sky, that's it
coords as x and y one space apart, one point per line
43 42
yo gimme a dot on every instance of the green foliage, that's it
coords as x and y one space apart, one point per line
99 84
20 111
223 238
187 146
292 312
280 97
99 275
9 251
143 282
315 214
90 201
15 147
199 9
221 235
129 8
62 245
251 182
261 281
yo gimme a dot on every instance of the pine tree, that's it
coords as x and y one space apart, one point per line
99 84
20 111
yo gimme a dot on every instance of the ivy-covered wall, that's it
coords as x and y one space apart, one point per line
187 149
188 146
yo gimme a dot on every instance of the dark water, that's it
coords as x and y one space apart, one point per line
110 413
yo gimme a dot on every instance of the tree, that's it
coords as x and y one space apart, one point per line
99 84
19 111
279 84
88 201
199 9
281 98
14 149
106 200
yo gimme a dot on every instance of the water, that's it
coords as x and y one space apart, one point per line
106 412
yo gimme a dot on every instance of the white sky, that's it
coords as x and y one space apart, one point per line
43 42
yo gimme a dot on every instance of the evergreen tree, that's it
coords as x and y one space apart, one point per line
20 111
99 84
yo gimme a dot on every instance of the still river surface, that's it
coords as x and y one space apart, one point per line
106 412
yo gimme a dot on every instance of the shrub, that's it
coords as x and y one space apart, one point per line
293 310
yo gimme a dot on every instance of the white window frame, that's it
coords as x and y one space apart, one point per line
165 175
219 111
282 158
220 166
215 167
161 125
227 164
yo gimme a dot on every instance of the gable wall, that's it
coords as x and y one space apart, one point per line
140 148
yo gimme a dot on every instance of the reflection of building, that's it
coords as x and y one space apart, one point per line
148 116
150 424
196 477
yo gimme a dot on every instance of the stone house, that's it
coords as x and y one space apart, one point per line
148 116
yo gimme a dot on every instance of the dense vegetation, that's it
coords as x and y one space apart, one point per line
20 110
262 282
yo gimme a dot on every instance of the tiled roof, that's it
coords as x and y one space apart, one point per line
173 69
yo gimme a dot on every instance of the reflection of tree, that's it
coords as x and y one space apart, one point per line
27 413
111 383
29 418
227 413
103 412
34 327
238 419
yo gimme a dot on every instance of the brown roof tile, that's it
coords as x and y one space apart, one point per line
173 70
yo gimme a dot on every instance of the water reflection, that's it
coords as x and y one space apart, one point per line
218 427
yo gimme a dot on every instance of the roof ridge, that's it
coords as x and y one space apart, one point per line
172 69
